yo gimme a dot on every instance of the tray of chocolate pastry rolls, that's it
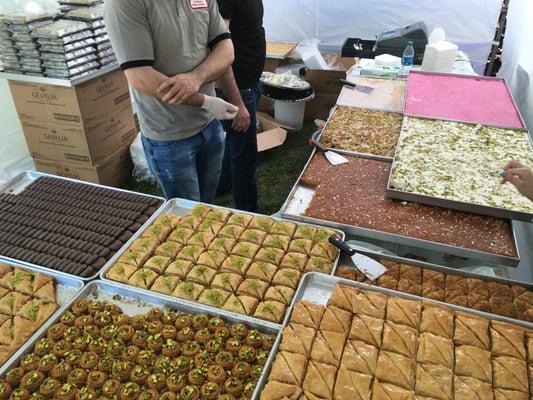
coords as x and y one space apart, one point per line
114 342
346 340
28 298
243 263
66 225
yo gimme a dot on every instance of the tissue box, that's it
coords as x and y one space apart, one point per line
439 57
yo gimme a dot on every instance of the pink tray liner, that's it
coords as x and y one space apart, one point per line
461 98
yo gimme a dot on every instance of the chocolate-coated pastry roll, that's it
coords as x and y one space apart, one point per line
254 339
47 363
125 333
77 377
183 321
61 371
196 377
146 358
216 374
155 342
62 348
210 391
32 380
139 374
129 391
239 331
234 386
49 387
139 338
190 393
111 388
156 381
225 359
20 394
171 348
88 360
30 362
43 347
96 379
121 370
190 349
148 395
202 336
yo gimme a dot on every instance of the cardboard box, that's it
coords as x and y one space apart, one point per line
114 171
89 143
272 63
76 105
273 133
325 81
320 107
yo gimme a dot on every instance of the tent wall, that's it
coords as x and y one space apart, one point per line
469 23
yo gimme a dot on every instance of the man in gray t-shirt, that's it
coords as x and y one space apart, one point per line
172 51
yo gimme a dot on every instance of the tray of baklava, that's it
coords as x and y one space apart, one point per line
348 340
28 298
112 342
243 263
504 297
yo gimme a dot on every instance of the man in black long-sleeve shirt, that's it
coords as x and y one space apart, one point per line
245 21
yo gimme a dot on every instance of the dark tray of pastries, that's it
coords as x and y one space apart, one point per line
365 344
238 262
115 344
508 299
69 226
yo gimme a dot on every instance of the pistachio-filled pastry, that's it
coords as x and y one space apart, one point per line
308 314
189 290
201 274
135 258
166 284
228 281
168 220
255 236
280 242
157 263
157 231
270 255
245 249
242 220
298 339
319 264
324 250
294 260
281 294
179 268
143 278
231 232
301 246
199 211
168 249
289 368
253 287
352 385
262 270
287 277
241 304
320 379
210 226
219 215
305 232
271 311
236 264
261 223
212 259
201 239
121 272
190 253
214 297
283 228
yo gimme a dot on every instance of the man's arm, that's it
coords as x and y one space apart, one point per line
229 87
177 89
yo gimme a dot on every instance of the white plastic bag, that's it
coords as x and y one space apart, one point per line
308 51
141 170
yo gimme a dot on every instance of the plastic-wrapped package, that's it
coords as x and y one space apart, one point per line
28 28
62 57
108 60
100 32
87 14
61 49
71 63
31 68
29 53
80 2
76 37
103 46
68 73
25 45
34 73
99 23
9 57
106 53
101 39
25 17
60 29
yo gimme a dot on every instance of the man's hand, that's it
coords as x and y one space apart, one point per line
222 110
241 122
177 89
520 176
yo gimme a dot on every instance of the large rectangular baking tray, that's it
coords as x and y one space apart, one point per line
20 182
67 287
317 288
477 77
397 194
134 302
181 207
300 197
355 153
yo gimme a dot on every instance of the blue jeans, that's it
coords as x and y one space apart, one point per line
240 158
188 168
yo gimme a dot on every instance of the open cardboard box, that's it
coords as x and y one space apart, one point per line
273 133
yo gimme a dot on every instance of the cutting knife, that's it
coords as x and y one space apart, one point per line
332 157
362 88
368 266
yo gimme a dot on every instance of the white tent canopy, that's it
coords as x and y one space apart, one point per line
469 23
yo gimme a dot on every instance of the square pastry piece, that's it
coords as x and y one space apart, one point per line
360 357
386 391
308 314
436 350
328 348
298 339
471 330
473 362
336 320
438 321
367 329
281 294
400 339
434 381
320 379
289 368
466 388
271 311
405 312
342 297
507 340
510 373
351 385
369 303
396 369
241 304
295 261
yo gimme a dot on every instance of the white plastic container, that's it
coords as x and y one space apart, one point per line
439 57
290 112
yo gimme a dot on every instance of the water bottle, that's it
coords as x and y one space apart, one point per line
408 56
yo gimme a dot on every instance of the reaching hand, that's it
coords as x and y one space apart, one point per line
520 176
241 122
177 89
222 110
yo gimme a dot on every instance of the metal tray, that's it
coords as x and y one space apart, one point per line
318 288
181 207
134 302
20 182
355 153
398 194
476 77
300 197
67 287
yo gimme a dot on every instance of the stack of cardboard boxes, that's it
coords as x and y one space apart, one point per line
81 132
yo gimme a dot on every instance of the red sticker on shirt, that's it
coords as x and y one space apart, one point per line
198 3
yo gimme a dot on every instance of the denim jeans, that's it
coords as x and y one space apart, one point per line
240 158
188 168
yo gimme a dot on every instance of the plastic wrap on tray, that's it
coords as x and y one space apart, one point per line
87 14
66 65
68 56
68 73
60 29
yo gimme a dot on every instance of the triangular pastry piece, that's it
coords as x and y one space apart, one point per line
298 339
337 320
328 348
289 368
466 388
502 394
369 303
46 292
320 379
366 329
438 321
342 297
403 311
474 362
471 330
510 373
351 385
385 391
434 381
308 314
360 357
396 369
400 339
275 390
507 340
435 350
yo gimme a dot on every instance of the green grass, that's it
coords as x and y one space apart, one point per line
276 174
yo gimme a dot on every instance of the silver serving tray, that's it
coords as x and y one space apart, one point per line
20 182
355 153
318 288
135 302
399 194
67 287
181 207
301 196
